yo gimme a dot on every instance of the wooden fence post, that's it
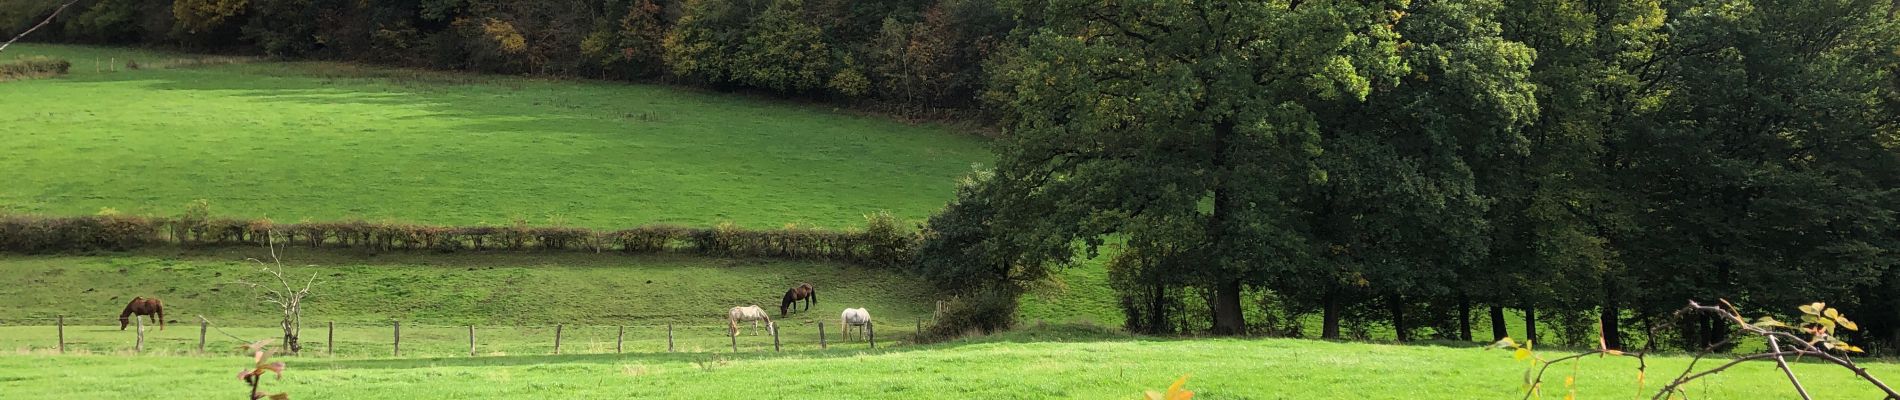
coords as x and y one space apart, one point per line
396 348
917 334
872 332
821 335
62 334
620 337
774 330
202 326
329 342
140 346
471 340
669 338
557 338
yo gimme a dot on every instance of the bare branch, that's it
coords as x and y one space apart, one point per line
49 19
1775 346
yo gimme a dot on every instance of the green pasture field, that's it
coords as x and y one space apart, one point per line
486 289
331 141
1059 362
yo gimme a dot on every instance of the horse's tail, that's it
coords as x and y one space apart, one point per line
814 295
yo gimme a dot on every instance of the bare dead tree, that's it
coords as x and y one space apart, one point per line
280 290
49 19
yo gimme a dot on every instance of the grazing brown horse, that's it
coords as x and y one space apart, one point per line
143 306
804 291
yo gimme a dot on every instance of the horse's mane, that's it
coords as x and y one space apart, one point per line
129 307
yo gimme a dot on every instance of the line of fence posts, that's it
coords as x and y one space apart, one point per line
869 328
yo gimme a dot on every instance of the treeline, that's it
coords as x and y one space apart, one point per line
1321 168
883 242
910 56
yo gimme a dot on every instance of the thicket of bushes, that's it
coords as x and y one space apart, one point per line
33 67
910 56
883 242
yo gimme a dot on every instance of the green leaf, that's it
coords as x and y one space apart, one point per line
1766 322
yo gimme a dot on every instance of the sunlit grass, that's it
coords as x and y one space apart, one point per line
1037 363
330 141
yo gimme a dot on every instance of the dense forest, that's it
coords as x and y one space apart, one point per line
1589 165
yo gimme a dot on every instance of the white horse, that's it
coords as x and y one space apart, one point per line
857 317
751 313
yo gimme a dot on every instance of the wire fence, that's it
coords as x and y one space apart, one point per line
62 335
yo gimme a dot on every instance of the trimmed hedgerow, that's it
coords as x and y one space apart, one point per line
884 242
33 67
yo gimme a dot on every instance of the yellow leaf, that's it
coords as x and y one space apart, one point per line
1505 343
1832 313
1570 396
1570 381
1613 352
1850 325
1175 392
1153 395
1521 353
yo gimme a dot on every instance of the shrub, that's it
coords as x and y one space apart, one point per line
33 67
982 311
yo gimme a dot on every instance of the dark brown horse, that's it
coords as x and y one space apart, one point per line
143 306
804 291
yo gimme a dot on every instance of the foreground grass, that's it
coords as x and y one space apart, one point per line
329 141
1020 365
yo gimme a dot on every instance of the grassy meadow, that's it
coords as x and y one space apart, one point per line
1056 362
328 141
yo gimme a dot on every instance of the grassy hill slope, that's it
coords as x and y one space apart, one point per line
450 289
331 141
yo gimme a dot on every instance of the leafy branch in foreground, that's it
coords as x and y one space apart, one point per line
1818 324
260 351
1175 391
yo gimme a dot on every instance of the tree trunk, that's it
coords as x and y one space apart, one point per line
1329 322
1610 316
1396 303
1498 330
1530 323
1464 316
1227 317
1157 311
